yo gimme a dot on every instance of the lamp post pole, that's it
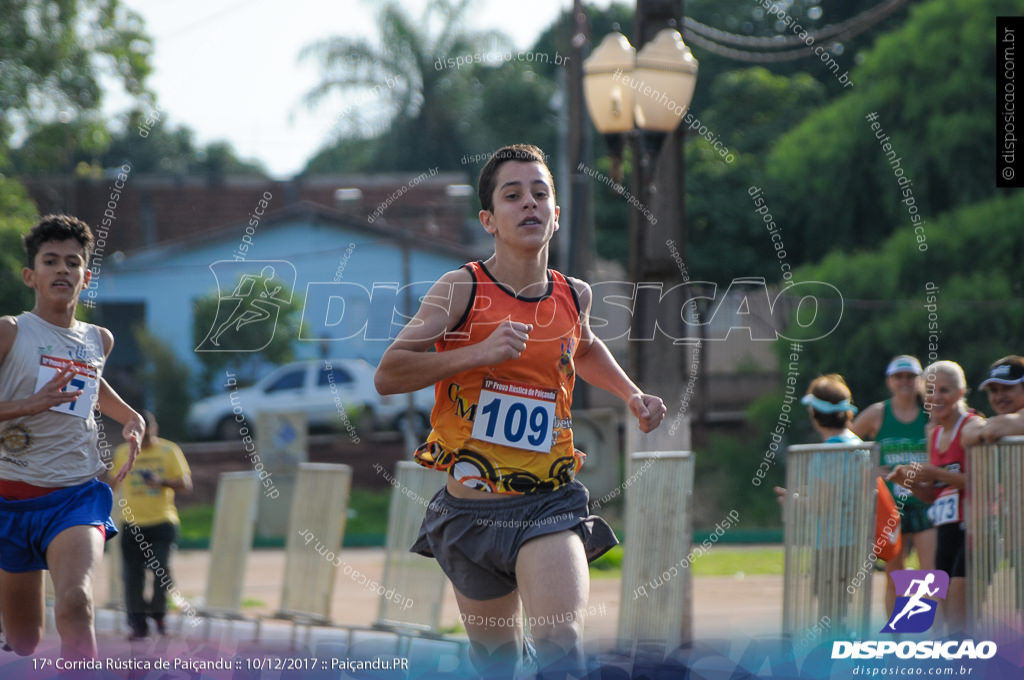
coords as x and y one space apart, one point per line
659 365
581 215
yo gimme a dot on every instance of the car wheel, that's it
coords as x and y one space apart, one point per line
228 428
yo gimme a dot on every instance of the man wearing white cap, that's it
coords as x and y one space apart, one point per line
1005 387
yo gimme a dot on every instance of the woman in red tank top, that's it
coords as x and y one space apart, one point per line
942 482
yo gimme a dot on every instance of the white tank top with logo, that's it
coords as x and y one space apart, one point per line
57 447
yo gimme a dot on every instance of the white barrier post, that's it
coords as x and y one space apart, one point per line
414 584
657 592
994 517
829 519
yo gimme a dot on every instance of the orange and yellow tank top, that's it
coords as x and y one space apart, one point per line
507 428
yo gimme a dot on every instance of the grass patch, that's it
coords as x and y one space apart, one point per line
718 561
252 602
196 522
367 514
457 629
608 564
730 561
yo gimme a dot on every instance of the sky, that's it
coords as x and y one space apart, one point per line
229 69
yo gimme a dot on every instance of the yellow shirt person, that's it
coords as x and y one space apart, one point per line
149 523
146 505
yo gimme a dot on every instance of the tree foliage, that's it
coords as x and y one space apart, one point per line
427 101
55 53
830 175
18 217
165 379
173 151
751 108
237 353
977 315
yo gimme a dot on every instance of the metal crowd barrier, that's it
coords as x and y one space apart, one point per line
414 585
234 517
656 608
829 519
316 525
994 516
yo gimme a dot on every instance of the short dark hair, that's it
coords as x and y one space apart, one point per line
57 228
524 153
833 389
1009 360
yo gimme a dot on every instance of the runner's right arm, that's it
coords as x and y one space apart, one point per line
409 365
919 478
48 396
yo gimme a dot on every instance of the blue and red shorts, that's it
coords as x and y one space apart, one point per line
28 526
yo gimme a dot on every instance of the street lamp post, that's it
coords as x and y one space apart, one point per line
642 96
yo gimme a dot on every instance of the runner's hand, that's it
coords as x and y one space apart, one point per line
648 409
914 473
52 393
507 341
132 433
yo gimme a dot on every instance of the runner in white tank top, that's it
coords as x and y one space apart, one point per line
54 513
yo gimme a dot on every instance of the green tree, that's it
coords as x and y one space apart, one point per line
86 145
55 53
751 108
154 147
18 217
972 262
165 378
750 19
424 97
830 173
237 353
53 56
62 146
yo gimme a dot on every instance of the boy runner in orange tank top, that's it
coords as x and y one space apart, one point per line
510 337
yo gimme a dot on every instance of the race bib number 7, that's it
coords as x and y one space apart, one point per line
86 379
520 416
945 509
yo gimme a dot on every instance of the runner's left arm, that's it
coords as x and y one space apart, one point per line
596 365
111 404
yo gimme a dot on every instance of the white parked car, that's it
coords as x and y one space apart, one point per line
323 389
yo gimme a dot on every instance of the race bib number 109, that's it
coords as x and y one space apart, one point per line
520 416
86 379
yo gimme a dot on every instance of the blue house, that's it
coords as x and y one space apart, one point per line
350 278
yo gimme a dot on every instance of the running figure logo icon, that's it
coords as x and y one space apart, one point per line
258 289
915 609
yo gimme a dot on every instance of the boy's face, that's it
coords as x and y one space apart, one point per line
1005 398
525 215
59 272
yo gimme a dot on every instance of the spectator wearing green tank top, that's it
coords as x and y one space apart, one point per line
898 425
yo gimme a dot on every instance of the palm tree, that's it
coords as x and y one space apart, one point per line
425 104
